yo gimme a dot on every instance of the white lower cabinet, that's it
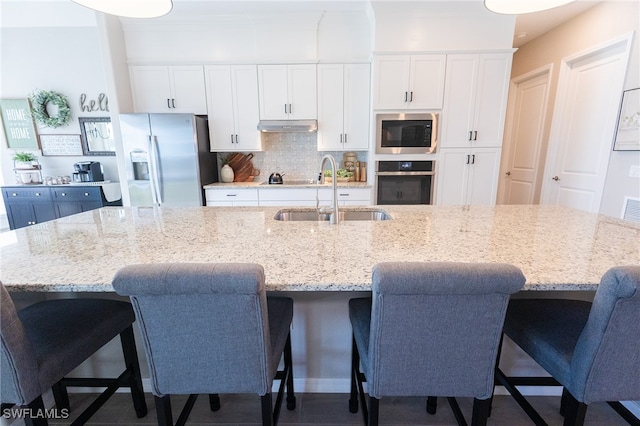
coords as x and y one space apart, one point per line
468 177
349 196
290 196
231 197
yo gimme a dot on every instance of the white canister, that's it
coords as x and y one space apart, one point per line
226 174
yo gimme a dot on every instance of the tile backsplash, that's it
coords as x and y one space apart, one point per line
294 154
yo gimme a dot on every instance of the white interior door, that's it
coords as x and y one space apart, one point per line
526 121
588 97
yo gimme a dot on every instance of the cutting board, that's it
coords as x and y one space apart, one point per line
241 165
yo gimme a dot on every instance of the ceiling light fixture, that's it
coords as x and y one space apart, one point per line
518 7
129 8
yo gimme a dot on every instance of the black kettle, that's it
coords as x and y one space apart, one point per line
275 178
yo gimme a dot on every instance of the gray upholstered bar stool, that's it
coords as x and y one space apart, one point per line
210 329
430 329
591 349
45 341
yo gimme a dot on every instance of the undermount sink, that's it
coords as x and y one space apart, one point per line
288 215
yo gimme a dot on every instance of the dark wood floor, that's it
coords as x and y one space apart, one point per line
332 409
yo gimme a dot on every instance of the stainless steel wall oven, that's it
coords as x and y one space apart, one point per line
405 182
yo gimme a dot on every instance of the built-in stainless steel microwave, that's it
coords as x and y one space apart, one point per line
406 133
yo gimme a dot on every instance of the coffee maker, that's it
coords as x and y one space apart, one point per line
88 171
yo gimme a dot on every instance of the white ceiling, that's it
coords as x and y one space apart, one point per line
528 26
532 25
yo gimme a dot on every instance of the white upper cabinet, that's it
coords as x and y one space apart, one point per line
409 81
232 100
343 107
288 92
168 89
475 102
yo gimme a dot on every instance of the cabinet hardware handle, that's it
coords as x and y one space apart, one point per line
343 195
173 102
405 96
470 134
508 173
468 158
411 97
473 159
168 103
345 138
341 138
475 135
231 138
13 194
86 194
63 194
290 109
236 138
231 195
556 178
285 108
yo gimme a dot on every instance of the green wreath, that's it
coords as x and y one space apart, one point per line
39 101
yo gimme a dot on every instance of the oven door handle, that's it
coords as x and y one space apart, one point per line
405 173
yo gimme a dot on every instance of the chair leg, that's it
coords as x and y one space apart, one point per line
574 411
36 406
214 402
163 410
495 375
432 404
288 361
374 408
563 401
61 396
131 360
355 365
481 408
267 411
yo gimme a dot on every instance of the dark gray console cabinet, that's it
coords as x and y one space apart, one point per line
30 205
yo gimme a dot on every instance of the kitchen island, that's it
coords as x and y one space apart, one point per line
321 266
557 248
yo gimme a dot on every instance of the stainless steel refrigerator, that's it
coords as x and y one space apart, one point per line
167 158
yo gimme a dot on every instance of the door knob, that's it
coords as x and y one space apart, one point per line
556 178
508 173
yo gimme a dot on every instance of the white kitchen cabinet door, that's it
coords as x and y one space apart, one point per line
475 102
178 89
343 107
303 92
232 99
287 92
391 77
287 196
354 196
231 197
468 177
409 81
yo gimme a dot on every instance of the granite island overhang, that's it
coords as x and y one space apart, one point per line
557 248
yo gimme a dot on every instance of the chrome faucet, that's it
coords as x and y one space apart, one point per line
335 215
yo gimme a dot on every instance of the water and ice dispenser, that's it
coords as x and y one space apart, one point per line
140 163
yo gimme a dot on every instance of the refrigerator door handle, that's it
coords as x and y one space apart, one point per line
154 175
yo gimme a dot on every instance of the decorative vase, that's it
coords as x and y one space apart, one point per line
226 174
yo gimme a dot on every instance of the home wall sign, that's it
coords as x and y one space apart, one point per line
90 105
17 121
61 145
628 130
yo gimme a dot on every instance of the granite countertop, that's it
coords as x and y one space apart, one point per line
287 184
557 248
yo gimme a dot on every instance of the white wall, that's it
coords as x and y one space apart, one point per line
597 25
63 59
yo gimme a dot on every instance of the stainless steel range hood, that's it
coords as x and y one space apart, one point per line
288 125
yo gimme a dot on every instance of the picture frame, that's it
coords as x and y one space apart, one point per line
97 136
19 128
61 145
627 137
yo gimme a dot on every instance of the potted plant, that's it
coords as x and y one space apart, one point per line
343 175
24 160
